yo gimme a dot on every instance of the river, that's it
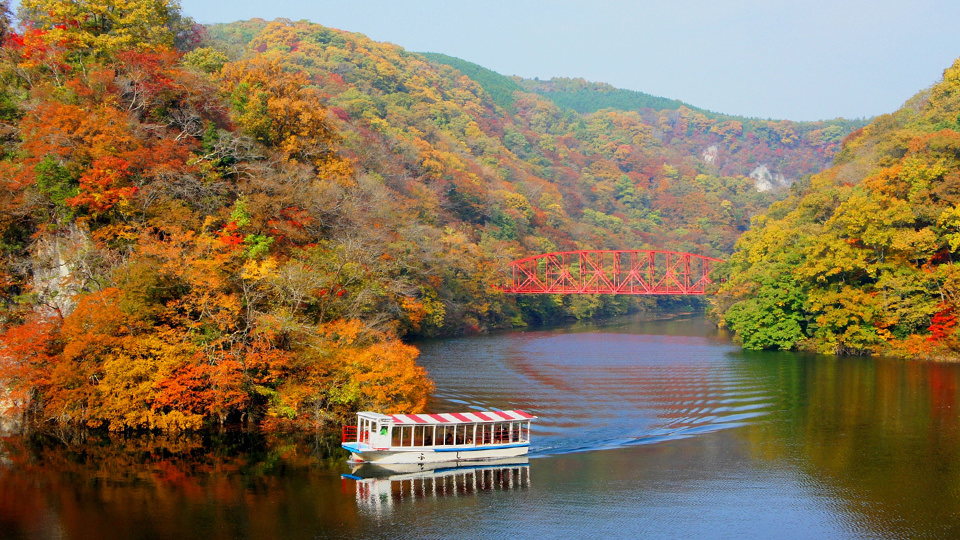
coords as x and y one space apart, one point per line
646 429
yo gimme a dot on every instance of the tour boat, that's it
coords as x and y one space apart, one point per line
433 438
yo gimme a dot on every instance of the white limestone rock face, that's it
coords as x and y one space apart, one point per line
764 180
10 421
62 265
709 155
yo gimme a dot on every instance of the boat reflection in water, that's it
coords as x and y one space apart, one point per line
380 487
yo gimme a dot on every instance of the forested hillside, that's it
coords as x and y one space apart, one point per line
861 259
524 175
780 149
177 236
242 222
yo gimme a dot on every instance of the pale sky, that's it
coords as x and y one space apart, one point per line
796 60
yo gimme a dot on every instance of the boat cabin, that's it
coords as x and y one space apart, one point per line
470 435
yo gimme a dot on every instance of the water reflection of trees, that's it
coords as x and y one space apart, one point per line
879 437
229 484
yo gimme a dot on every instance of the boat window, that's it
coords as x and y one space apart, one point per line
397 436
422 435
449 432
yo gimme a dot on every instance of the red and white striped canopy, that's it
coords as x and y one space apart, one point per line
461 418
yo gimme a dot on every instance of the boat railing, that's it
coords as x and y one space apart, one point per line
349 434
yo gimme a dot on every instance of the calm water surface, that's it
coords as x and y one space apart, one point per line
648 429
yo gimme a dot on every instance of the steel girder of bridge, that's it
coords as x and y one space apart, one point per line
612 272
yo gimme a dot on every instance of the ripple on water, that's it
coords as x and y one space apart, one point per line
599 390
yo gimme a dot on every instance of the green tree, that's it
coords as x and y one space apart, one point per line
773 317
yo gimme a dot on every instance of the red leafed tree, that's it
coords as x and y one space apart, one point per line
104 185
942 324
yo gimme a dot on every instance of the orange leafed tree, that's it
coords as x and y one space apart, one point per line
277 108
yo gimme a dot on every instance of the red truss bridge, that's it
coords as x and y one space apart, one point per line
643 271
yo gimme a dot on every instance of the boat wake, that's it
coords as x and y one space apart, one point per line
605 391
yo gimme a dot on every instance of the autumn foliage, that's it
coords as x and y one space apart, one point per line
862 261
241 223
179 276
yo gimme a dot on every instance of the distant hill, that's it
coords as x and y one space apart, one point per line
585 98
576 94
500 87
588 97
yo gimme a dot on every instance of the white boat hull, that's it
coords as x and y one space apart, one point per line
412 471
362 453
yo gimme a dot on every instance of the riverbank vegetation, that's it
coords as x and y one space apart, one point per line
242 223
860 259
